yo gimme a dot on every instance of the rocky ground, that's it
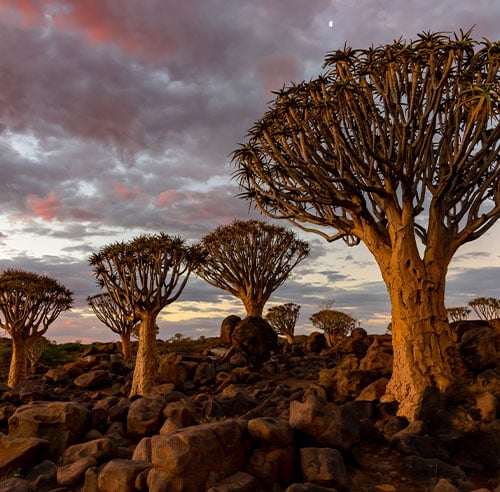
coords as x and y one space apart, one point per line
306 419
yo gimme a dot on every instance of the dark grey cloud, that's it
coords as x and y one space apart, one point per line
117 118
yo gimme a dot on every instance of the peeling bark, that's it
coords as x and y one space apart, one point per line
126 347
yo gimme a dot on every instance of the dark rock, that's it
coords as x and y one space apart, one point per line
21 453
227 328
239 482
93 379
421 470
144 417
256 337
315 342
121 475
324 466
235 401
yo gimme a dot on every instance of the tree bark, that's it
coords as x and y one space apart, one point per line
19 361
126 347
146 364
424 350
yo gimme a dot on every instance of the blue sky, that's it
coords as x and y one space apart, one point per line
117 119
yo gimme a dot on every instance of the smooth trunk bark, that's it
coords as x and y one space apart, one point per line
19 362
146 364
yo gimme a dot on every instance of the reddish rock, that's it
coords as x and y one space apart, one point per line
145 417
21 453
100 449
271 430
324 466
227 328
239 482
74 473
120 475
256 337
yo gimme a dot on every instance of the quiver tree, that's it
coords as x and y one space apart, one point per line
283 319
145 274
250 260
460 313
335 324
486 308
119 318
29 304
396 146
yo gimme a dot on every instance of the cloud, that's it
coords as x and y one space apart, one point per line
48 207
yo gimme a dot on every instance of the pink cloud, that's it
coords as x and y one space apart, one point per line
126 193
169 197
278 70
48 208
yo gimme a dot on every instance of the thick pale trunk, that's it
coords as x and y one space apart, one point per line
126 347
252 307
424 351
19 362
146 364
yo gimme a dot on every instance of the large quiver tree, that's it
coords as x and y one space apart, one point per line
394 146
29 304
250 260
145 274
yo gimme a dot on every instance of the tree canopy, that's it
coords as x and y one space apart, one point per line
250 260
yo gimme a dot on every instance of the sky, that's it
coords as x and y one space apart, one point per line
117 118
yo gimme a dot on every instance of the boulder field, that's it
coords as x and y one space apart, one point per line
303 418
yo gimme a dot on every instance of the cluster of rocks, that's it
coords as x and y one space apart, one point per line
243 419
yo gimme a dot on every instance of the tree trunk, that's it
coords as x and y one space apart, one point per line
252 307
146 364
424 351
19 361
126 347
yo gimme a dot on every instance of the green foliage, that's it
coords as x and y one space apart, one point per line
58 354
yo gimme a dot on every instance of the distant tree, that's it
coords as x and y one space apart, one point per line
283 319
457 313
147 273
335 324
486 308
396 146
250 260
29 304
36 351
119 318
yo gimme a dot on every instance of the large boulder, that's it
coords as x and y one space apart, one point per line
324 424
145 416
121 475
60 423
324 466
227 328
480 347
21 453
256 337
191 458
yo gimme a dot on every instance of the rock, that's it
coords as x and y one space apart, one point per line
379 356
72 474
21 453
57 375
478 347
207 408
239 482
43 476
60 423
177 457
204 374
487 406
227 328
15 484
93 379
271 430
273 465
256 337
121 475
145 417
173 369
423 446
324 424
373 391
309 487
235 401
417 469
101 449
415 428
444 486
180 412
118 412
324 466
142 451
315 342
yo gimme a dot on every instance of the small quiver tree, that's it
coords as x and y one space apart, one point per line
283 319
335 324
36 350
119 318
250 260
460 313
147 273
29 304
486 308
